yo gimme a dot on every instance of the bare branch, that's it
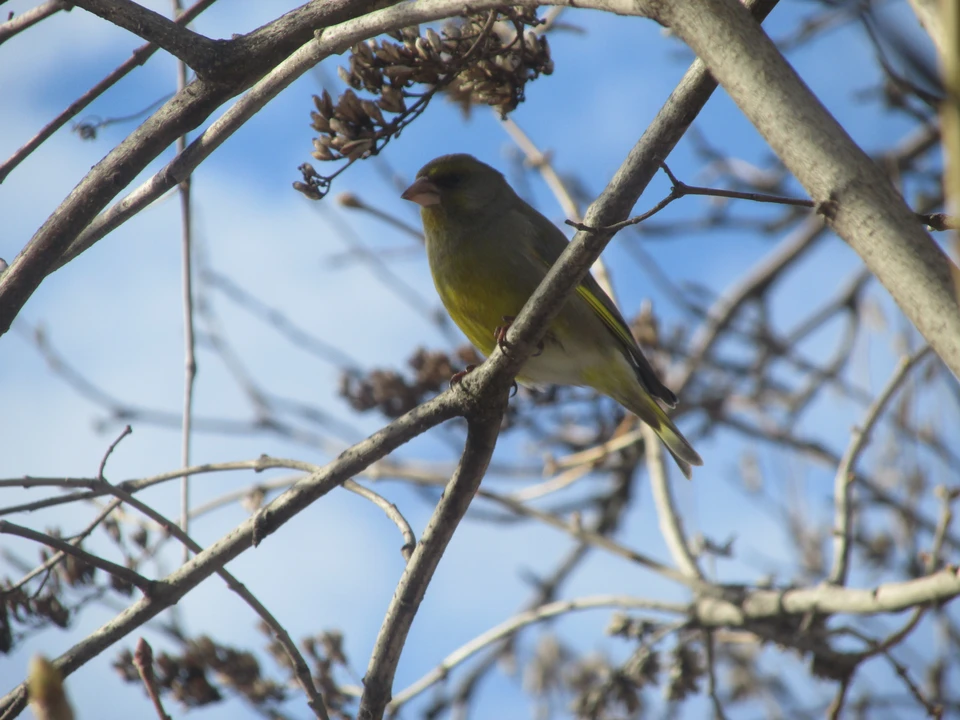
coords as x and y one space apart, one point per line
194 49
481 438
850 191
843 482
31 17
171 589
126 574
392 512
671 525
139 57
511 626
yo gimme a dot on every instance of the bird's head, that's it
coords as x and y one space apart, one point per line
457 185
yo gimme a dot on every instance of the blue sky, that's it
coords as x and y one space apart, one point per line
115 314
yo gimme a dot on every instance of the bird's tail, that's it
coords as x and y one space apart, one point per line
647 409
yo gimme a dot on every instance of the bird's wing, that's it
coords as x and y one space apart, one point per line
548 243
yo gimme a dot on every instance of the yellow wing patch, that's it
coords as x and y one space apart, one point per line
618 328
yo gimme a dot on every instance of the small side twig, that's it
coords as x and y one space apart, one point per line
844 480
671 525
126 574
708 647
392 512
31 17
143 661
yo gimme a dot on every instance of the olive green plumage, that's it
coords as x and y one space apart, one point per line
489 250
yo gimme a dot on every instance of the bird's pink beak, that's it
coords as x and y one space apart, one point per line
423 192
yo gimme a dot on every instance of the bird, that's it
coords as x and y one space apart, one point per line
488 250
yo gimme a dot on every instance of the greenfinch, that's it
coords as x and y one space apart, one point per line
488 251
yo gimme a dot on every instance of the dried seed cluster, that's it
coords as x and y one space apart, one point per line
392 393
479 59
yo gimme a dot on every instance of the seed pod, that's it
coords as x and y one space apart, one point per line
423 49
391 100
324 104
320 123
356 148
342 128
434 40
322 153
373 112
344 75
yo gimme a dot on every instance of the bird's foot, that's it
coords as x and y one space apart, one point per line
500 335
458 376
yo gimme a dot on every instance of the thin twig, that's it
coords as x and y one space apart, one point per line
138 58
671 526
392 512
844 479
31 17
143 662
119 571
511 626
189 340
712 689
297 662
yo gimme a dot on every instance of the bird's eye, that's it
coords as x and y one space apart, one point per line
448 180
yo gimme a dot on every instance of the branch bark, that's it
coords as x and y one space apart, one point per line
850 190
378 681
194 49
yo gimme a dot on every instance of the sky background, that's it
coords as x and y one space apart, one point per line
115 315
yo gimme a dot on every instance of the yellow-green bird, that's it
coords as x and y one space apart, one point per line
489 250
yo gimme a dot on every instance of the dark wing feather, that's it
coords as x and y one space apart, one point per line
549 243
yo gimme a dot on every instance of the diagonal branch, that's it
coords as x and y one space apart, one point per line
169 590
31 17
194 49
850 190
482 434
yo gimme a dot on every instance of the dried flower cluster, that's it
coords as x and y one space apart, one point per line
392 393
185 676
478 59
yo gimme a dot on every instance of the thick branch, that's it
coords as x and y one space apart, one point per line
850 190
178 116
194 49
828 600
378 681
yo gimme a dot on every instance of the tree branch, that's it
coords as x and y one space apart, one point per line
194 49
851 192
31 17
482 434
170 590
846 471
119 571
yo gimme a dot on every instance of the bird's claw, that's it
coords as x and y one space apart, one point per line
500 332
458 376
